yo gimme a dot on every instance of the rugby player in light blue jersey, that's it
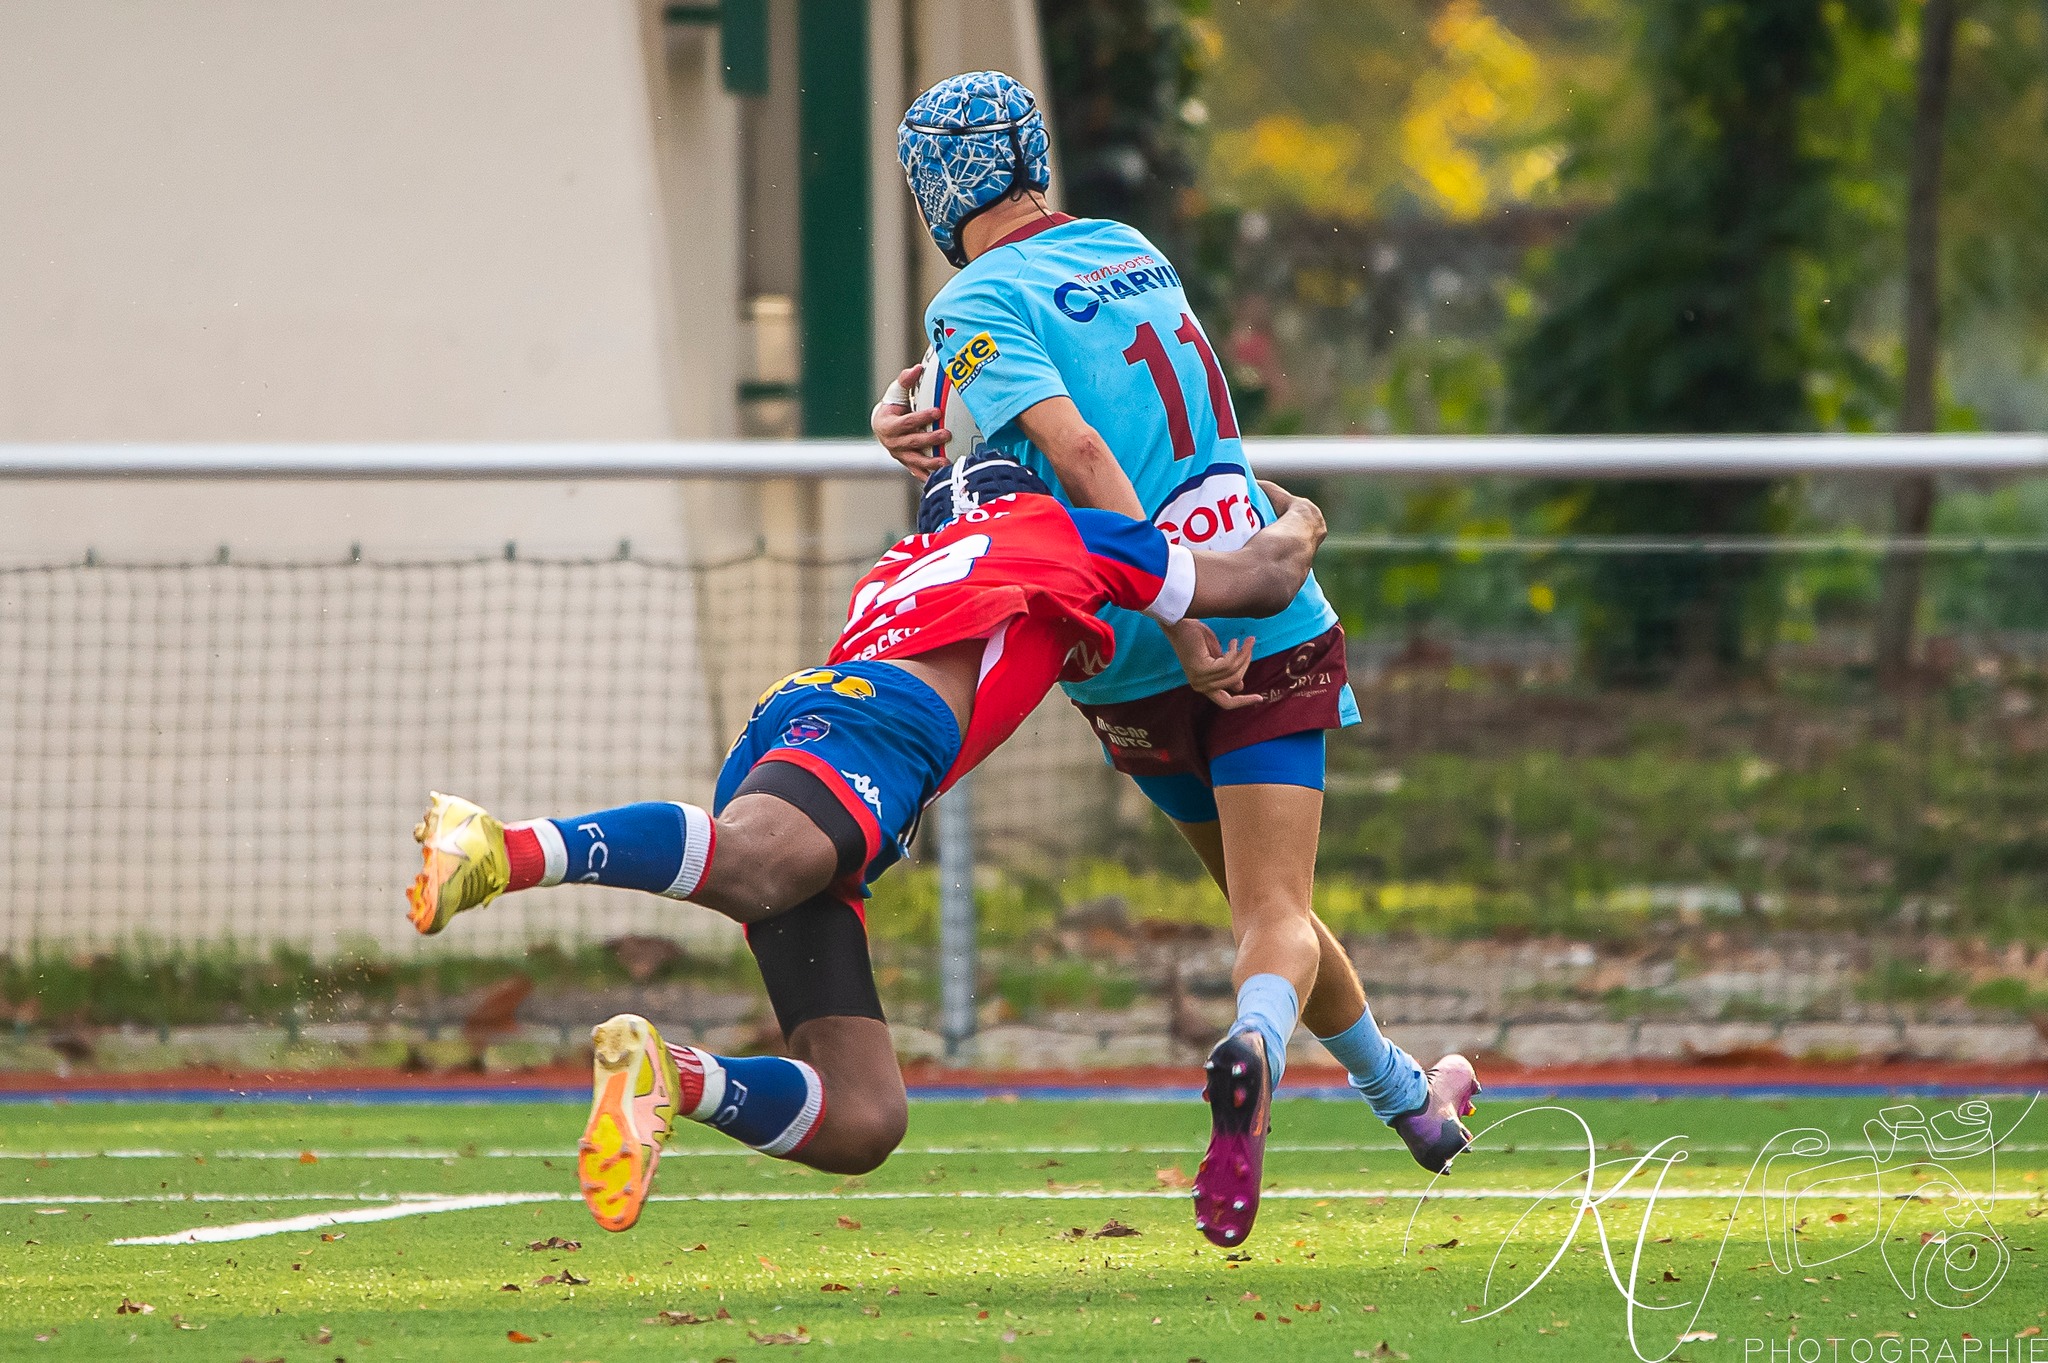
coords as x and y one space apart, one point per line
1073 346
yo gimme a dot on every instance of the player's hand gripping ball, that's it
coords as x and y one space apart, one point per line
921 420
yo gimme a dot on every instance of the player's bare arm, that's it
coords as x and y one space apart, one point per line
1262 577
1212 669
1080 456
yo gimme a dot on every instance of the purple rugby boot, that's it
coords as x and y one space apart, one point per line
1239 1090
1433 1133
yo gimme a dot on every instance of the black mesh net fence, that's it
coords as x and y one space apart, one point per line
234 753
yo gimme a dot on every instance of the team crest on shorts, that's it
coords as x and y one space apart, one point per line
806 729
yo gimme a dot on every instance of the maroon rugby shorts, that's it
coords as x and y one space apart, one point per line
1179 731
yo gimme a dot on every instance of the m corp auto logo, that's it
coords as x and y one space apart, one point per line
1212 510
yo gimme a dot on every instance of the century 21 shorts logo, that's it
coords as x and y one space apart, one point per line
971 359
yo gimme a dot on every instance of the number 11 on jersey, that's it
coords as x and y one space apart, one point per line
1146 348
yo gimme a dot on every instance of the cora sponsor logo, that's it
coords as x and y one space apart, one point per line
1212 510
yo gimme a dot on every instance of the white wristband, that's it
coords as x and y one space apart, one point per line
897 396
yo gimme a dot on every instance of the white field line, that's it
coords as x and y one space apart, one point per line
119 1200
250 1230
396 1210
740 1152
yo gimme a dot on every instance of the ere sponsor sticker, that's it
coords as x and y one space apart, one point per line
971 359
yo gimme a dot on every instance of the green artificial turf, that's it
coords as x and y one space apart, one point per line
935 1264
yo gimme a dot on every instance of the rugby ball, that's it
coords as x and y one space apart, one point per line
935 389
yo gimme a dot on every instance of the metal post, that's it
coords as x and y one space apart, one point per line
957 920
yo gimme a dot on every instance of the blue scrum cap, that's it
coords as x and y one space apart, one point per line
967 142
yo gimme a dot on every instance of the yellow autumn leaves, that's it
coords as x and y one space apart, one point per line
1465 134
1487 84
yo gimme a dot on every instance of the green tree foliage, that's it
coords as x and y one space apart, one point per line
1123 74
1994 216
1694 303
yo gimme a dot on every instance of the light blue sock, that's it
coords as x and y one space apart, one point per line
1266 1004
1388 1077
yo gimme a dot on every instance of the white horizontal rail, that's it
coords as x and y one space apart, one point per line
1288 457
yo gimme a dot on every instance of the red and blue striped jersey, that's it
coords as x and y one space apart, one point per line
1027 574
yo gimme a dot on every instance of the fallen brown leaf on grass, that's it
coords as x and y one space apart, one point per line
676 1318
520 1337
1113 1229
1380 1350
1311 1307
848 1223
565 1278
557 1242
871 1310
1671 1277
322 1336
1173 1178
797 1336
508 1287
768 1263
835 1287
133 1308
308 1157
1451 1243
329 1237
1839 1217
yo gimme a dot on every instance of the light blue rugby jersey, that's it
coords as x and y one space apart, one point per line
1089 309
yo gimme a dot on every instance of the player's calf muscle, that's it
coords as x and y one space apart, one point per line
866 1109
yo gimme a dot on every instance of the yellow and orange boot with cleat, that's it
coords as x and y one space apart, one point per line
464 865
637 1090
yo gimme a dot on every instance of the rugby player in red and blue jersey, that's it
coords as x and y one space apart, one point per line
951 640
1074 348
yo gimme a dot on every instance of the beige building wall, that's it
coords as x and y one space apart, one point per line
333 219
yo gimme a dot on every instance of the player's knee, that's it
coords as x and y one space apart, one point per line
865 1132
875 1147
